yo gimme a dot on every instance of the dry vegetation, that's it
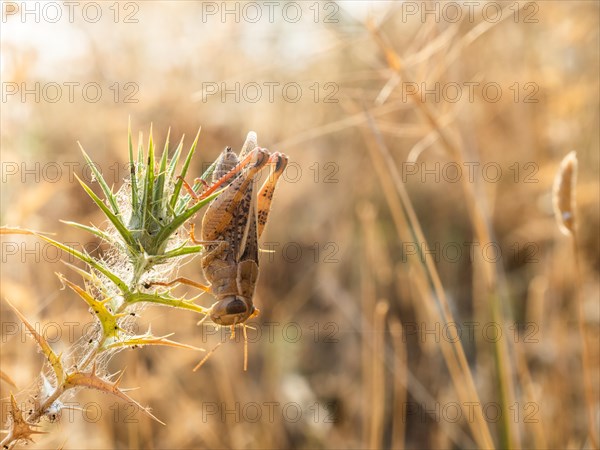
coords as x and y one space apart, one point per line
360 374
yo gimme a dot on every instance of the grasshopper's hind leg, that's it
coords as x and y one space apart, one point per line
277 162
180 280
222 213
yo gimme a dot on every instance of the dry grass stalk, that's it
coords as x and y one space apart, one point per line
406 219
483 230
563 200
536 426
366 213
400 382
378 397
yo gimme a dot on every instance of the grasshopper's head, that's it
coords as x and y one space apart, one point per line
232 310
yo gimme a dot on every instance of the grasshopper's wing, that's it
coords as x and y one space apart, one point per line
246 228
225 218
247 256
250 144
249 241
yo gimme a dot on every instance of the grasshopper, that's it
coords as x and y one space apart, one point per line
231 227
235 221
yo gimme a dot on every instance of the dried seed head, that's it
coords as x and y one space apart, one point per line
563 194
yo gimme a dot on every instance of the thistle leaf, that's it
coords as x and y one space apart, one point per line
4 377
179 220
140 155
93 230
135 200
77 254
19 429
180 303
149 339
159 198
90 261
92 381
184 169
108 320
108 193
179 251
114 218
175 160
52 357
24 231
148 184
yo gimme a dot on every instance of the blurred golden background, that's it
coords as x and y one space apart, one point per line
468 106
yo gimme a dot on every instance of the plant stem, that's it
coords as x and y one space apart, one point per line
588 387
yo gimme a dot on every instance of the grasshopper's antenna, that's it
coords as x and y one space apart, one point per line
245 334
201 321
245 347
201 363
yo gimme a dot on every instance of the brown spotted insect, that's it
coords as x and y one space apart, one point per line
231 227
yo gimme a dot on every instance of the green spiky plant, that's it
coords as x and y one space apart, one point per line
146 243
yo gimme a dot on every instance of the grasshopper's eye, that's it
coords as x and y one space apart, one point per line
236 306
230 311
